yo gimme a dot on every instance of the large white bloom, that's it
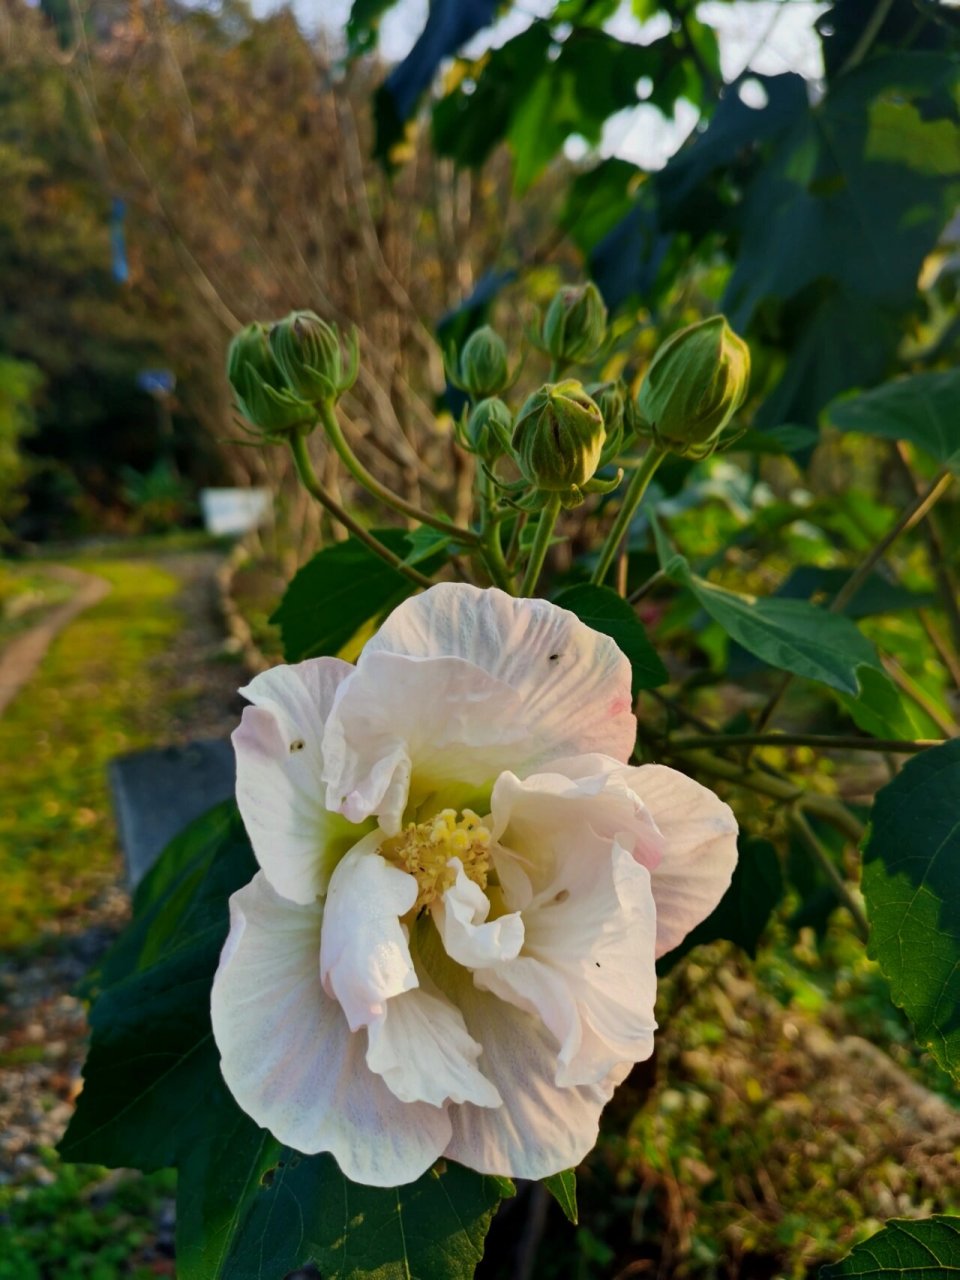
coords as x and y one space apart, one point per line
449 948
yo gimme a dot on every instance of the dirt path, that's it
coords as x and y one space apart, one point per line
42 1025
20 658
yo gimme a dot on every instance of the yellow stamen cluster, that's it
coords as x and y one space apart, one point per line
424 850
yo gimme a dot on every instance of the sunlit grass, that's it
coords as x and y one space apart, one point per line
93 698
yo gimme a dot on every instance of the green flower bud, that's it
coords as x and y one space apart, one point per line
695 384
611 397
558 439
575 324
259 387
307 349
483 364
488 429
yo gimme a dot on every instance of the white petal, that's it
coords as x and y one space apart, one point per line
587 966
699 849
574 683
364 951
290 1059
461 919
443 720
541 1129
423 1052
279 749
549 819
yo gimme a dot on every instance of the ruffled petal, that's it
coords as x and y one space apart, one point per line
574 683
291 1061
587 965
279 750
567 816
461 919
437 723
422 1050
540 1129
699 849
364 952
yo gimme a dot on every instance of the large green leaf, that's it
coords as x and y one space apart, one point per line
790 634
911 883
924 409
335 593
906 1249
248 1208
602 609
432 1229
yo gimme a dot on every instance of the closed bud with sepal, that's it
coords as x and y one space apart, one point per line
260 388
695 384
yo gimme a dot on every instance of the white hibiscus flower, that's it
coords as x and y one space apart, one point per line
449 948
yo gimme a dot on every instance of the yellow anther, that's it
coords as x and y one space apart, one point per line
424 850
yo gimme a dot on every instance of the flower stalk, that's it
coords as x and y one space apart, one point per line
309 480
541 544
369 481
631 501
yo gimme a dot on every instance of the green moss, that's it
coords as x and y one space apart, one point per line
93 698
86 1224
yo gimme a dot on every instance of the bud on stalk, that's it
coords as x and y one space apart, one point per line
308 351
575 325
259 386
483 364
558 439
695 384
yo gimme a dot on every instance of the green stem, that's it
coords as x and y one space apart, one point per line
631 500
826 865
912 515
308 478
541 544
901 746
492 549
513 547
827 807
370 482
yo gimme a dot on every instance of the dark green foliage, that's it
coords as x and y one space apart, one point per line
924 409
906 1249
745 909
563 1188
911 883
336 592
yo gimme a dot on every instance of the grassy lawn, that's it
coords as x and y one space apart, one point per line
27 592
91 699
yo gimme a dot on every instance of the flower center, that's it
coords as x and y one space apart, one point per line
424 850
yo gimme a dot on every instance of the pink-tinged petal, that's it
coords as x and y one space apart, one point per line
438 723
468 938
570 815
699 849
279 750
587 970
364 953
541 1129
422 1050
290 1059
587 964
574 683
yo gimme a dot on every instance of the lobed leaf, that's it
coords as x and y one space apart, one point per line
905 1249
911 884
